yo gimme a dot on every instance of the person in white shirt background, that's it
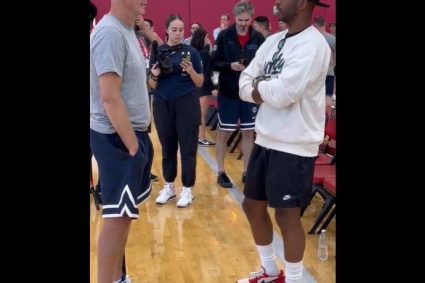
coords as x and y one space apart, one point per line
224 24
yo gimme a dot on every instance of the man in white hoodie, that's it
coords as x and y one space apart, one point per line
287 78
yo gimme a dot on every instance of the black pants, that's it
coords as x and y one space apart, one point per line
177 123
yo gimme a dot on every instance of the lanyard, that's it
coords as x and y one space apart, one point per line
143 46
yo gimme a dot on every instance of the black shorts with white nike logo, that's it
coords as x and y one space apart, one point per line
283 179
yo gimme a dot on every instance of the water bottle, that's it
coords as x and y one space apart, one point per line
322 251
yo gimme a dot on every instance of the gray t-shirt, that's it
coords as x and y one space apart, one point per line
332 43
187 41
114 48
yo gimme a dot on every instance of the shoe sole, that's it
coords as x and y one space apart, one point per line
246 280
189 204
170 199
226 186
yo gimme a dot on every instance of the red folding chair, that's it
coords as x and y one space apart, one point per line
330 185
321 172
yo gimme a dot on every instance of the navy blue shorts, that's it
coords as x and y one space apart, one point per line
124 179
282 179
231 111
330 85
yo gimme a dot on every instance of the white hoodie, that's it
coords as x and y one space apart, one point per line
292 117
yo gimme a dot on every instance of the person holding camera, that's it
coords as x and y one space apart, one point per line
175 75
236 46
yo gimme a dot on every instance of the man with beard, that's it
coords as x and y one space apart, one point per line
287 78
236 47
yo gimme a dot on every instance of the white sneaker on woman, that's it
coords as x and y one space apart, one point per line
166 194
186 197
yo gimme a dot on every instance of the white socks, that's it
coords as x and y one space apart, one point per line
268 259
293 272
171 186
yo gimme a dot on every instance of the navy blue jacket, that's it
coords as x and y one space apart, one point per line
229 50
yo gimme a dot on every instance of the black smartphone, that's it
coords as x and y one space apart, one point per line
243 61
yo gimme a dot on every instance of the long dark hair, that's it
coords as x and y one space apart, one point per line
198 39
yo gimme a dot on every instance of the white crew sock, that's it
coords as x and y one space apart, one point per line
268 259
293 271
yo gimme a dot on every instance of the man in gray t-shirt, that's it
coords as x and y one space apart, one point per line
119 118
115 51
320 24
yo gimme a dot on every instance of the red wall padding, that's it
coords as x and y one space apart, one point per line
207 12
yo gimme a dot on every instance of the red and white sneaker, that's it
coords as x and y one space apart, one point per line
262 277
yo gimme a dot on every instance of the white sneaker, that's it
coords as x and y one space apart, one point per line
186 197
166 194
